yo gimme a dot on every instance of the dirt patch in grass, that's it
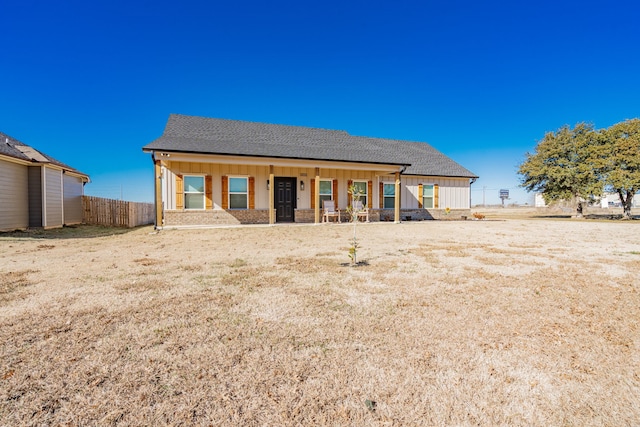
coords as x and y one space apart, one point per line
515 322
13 284
147 262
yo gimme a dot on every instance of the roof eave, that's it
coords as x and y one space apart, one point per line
15 159
444 175
152 150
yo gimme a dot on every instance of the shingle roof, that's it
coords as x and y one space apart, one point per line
194 134
12 147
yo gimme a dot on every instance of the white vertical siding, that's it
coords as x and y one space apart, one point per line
14 198
73 189
168 189
53 197
409 192
453 193
261 175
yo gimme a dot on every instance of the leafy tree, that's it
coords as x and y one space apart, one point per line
562 166
619 161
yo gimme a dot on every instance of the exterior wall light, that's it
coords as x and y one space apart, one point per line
301 185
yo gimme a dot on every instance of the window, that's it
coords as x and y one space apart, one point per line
238 193
427 196
326 191
361 188
389 196
194 192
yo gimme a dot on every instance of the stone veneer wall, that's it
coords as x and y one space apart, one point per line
305 215
308 215
261 216
425 214
216 217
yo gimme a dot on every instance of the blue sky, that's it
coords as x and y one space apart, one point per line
90 83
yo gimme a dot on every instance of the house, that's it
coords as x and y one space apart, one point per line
214 171
538 201
35 189
612 200
605 201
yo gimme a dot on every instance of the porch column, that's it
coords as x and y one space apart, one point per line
396 214
272 214
317 196
158 187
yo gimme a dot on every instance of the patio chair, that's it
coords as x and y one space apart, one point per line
329 211
360 210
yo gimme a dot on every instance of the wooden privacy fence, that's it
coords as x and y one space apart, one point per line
116 213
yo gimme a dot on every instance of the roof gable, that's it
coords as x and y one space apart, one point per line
233 137
12 147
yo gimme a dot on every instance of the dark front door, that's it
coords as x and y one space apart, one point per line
285 199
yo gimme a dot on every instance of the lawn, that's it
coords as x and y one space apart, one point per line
495 322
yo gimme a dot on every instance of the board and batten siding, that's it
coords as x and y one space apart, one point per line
14 199
53 198
73 191
261 175
453 193
343 176
216 171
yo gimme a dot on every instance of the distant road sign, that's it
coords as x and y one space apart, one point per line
504 194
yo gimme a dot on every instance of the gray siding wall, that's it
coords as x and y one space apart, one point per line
35 196
14 200
72 199
53 197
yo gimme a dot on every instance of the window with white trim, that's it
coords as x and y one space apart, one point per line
361 188
427 196
389 194
193 192
326 190
238 193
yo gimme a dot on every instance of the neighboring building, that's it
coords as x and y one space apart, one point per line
538 201
37 190
612 200
607 200
214 171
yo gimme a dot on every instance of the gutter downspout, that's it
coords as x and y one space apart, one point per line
157 186
470 184
43 184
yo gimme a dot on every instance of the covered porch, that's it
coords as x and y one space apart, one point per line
253 190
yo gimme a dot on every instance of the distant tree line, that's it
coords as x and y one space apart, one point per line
581 163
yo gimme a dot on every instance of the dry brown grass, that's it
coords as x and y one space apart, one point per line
13 284
447 323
